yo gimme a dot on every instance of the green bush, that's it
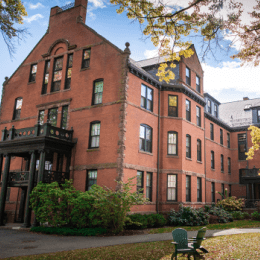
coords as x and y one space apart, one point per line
223 215
65 231
139 221
231 203
239 215
255 215
188 216
98 207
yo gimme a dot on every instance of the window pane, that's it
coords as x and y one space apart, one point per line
143 91
86 54
148 134
34 69
98 86
197 80
58 64
149 94
41 117
70 61
19 103
173 101
142 130
187 105
187 72
53 116
64 117
171 180
172 149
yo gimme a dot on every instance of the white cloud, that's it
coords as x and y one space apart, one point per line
98 3
231 76
33 18
38 5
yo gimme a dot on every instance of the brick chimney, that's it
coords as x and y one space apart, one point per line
76 11
245 98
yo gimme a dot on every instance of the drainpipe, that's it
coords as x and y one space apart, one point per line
158 151
205 158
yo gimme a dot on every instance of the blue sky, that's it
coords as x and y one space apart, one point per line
223 78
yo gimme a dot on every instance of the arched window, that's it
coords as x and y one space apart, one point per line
172 143
17 108
145 141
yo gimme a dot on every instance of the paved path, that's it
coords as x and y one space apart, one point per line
21 242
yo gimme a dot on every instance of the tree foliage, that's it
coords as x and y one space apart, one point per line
255 138
11 12
167 25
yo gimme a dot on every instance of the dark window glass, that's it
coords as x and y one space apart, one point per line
188 188
212 160
209 106
213 191
69 71
173 143
198 84
215 110
172 187
94 135
33 73
199 150
86 58
258 116
173 106
198 115
228 140
41 117
187 76
221 136
57 74
146 97
222 162
188 110
229 165
211 131
52 116
64 117
91 178
149 177
229 195
199 188
145 143
46 77
188 146
242 147
98 92
140 181
17 108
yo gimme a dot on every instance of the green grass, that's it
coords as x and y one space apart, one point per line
242 246
235 224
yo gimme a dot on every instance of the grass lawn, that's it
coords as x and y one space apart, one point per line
242 246
235 224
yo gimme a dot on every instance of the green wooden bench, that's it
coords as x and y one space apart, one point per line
195 242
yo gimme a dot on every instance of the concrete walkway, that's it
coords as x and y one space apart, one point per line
15 242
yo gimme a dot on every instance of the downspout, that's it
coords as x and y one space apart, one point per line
158 151
205 158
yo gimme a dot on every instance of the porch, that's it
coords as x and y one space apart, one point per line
45 153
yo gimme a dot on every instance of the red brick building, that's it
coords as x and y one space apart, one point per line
78 107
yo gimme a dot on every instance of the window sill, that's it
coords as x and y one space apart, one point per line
55 92
148 153
212 169
172 156
189 159
222 171
93 149
199 162
229 173
82 69
32 82
172 202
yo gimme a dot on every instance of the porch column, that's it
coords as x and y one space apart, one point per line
247 192
27 218
1 164
253 192
4 188
41 165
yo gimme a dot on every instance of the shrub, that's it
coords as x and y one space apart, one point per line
231 203
50 202
65 231
188 216
139 221
223 215
255 215
238 215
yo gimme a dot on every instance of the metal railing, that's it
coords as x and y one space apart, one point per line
52 176
38 130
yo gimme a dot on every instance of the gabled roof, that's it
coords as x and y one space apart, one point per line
151 61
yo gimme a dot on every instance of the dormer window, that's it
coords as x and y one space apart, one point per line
215 110
198 84
247 106
187 76
258 116
209 106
